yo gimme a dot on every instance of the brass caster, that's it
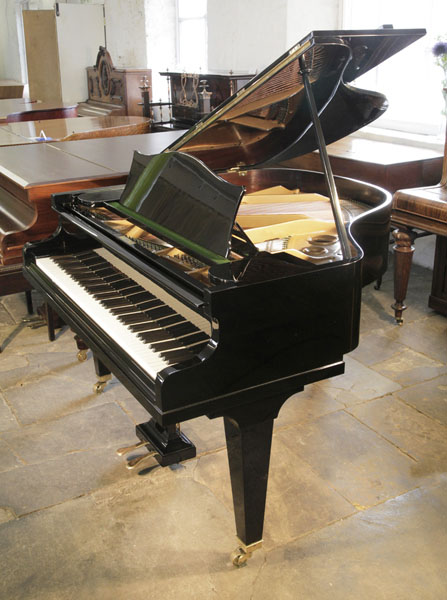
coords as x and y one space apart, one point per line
243 552
239 557
99 386
82 355
101 383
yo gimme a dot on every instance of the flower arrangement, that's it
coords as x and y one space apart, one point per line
439 51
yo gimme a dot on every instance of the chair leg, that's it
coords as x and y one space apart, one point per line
403 256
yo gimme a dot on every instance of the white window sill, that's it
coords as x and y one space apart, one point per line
401 137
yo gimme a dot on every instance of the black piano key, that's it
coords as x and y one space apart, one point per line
162 311
137 307
126 316
158 335
102 291
183 328
183 341
142 296
117 281
130 319
177 356
84 254
103 270
151 324
119 307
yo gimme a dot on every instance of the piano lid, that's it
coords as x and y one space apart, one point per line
269 120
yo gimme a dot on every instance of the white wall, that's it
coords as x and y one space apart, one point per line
10 63
125 31
161 43
245 36
249 35
304 17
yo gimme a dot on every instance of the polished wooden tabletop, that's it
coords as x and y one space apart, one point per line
387 164
11 107
74 128
116 153
31 165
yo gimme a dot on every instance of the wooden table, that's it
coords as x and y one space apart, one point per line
29 174
10 89
391 166
74 128
23 109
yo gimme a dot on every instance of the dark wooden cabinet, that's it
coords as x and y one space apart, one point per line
113 90
194 95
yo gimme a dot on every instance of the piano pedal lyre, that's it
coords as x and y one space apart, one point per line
167 444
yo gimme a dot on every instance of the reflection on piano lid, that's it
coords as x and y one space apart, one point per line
213 285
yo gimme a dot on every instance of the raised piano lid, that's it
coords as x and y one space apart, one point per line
265 121
268 120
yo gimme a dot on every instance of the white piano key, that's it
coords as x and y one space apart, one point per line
149 360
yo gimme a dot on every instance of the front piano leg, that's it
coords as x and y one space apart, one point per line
248 432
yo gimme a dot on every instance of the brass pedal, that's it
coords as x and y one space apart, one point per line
135 462
128 449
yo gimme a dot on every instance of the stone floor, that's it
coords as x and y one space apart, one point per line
357 502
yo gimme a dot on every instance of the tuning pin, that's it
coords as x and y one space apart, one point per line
128 449
134 462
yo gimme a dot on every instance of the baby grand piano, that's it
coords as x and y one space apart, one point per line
215 284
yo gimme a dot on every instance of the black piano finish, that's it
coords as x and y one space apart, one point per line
279 322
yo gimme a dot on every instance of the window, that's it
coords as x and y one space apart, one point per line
192 35
410 79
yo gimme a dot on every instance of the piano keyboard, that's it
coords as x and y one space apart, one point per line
153 327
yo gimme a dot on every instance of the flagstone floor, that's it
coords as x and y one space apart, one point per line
357 500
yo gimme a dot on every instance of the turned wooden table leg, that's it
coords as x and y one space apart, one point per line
403 256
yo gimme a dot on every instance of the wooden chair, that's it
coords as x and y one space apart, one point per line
418 212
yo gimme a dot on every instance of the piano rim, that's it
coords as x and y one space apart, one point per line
141 386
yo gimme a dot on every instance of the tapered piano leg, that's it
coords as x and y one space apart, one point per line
249 440
103 374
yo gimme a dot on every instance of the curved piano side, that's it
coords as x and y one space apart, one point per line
370 229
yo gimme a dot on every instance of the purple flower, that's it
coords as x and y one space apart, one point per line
439 49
